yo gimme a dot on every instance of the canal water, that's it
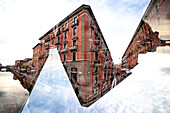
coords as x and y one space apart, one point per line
12 95
146 90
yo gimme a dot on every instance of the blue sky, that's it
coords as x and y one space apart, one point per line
22 23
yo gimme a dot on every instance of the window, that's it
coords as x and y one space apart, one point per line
65 45
65 35
58 30
103 86
58 38
106 53
44 53
74 77
48 44
91 33
75 19
94 91
74 42
158 20
74 56
74 31
96 69
95 37
44 45
156 9
64 57
66 24
95 81
41 47
58 48
105 66
96 55
142 29
105 76
149 31
53 41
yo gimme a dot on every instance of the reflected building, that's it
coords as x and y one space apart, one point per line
143 41
157 16
151 33
83 52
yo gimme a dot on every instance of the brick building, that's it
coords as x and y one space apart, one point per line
144 40
157 16
83 51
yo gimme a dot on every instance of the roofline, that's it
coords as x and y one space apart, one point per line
79 9
36 46
140 24
82 7
149 8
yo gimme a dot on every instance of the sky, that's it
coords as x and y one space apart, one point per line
22 23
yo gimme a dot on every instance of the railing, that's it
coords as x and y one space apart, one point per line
92 26
58 33
97 63
47 39
40 56
57 43
66 29
74 23
96 42
92 49
63 50
73 48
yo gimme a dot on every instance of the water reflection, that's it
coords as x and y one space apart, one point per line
12 94
146 90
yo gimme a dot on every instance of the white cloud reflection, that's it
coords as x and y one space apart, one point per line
145 91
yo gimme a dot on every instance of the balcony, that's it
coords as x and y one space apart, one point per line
124 69
46 55
87 83
92 49
46 47
97 63
124 61
92 26
105 80
63 50
95 73
53 36
74 23
64 63
58 33
58 43
40 56
73 48
65 30
107 58
139 46
142 43
47 39
96 33
96 42
148 38
149 49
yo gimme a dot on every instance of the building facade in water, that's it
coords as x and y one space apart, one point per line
85 55
83 52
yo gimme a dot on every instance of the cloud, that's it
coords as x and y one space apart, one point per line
24 22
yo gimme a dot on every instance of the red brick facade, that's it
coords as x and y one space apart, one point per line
83 51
